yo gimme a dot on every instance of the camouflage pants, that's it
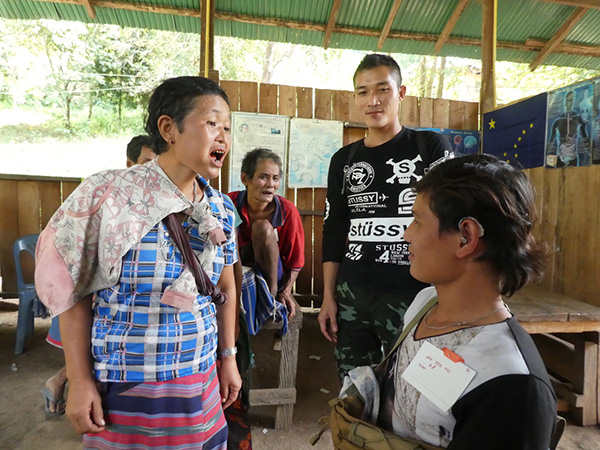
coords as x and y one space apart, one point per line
368 324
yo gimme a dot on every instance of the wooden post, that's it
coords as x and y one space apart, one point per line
207 40
488 56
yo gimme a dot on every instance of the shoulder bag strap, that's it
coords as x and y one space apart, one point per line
407 329
182 240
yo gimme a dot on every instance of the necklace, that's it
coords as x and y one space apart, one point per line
459 324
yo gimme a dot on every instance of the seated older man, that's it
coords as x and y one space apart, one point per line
270 237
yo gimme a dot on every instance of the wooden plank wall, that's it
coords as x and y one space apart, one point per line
568 208
27 204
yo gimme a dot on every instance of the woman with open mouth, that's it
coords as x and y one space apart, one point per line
138 263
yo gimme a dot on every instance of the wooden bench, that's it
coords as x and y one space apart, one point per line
284 395
567 334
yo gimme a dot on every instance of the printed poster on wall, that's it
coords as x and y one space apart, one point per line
463 142
312 144
570 126
253 130
596 123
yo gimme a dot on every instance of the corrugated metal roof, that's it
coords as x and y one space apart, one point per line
518 21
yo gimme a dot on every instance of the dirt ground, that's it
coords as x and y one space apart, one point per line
24 426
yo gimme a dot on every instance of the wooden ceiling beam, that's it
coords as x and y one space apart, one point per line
335 9
558 37
565 47
582 3
529 45
89 7
388 23
450 24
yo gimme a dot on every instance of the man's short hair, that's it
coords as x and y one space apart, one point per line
134 148
375 60
501 198
252 158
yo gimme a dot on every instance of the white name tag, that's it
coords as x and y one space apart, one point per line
440 375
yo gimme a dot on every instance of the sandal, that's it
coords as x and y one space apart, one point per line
59 404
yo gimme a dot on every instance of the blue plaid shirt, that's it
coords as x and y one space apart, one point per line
135 338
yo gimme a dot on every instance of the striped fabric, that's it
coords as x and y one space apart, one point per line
180 414
53 336
136 337
258 303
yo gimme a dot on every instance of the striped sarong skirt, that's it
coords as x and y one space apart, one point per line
180 414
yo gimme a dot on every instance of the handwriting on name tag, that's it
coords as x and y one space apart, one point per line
440 375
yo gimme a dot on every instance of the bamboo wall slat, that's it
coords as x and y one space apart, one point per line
268 99
28 205
456 115
248 96
287 101
323 104
426 112
67 188
409 111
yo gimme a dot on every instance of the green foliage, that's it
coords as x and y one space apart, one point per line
94 80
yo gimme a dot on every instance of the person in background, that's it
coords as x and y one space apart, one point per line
471 239
367 284
139 151
110 263
271 233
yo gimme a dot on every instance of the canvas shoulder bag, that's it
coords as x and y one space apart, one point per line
349 432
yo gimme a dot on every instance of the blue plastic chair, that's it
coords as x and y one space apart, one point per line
27 292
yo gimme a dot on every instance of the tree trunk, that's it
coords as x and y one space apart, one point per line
90 105
120 109
68 99
430 77
440 89
268 64
422 72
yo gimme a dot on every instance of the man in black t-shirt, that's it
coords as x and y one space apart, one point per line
367 284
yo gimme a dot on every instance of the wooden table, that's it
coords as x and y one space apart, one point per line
567 334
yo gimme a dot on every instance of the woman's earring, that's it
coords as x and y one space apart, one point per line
172 141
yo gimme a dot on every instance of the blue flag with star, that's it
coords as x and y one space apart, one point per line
517 133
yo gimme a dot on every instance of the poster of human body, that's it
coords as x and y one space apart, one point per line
596 123
250 131
312 144
570 126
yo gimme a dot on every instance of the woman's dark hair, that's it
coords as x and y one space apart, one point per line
501 198
176 98
252 158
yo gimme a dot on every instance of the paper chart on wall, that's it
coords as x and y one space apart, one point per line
253 130
312 144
